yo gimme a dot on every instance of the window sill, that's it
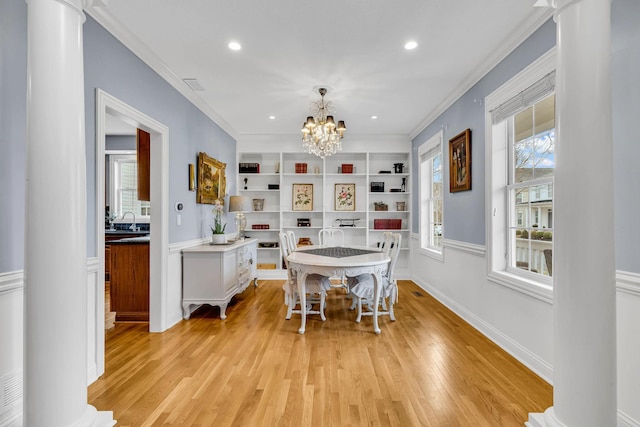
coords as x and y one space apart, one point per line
432 253
540 291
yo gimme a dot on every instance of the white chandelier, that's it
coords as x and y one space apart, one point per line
320 135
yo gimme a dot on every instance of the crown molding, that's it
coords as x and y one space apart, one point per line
146 55
511 42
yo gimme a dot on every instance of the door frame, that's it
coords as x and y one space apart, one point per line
159 175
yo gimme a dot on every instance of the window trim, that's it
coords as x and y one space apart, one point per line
434 141
496 177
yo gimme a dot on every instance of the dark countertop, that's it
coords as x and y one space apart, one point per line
131 240
123 232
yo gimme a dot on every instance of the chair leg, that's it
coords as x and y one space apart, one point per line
391 315
359 317
323 296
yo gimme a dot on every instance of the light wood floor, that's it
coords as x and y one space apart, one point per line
429 368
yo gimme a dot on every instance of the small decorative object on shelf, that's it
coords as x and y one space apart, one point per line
380 206
398 167
249 167
245 183
400 206
273 186
347 222
403 186
301 168
268 245
258 204
395 190
304 222
377 187
305 241
347 168
387 224
384 171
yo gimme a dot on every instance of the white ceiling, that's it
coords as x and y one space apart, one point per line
291 47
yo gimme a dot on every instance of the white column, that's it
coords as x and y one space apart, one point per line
584 265
55 368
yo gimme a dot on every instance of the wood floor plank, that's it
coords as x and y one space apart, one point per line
429 368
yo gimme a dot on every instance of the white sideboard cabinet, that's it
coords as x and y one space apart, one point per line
213 274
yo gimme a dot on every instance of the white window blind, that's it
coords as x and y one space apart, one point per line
529 96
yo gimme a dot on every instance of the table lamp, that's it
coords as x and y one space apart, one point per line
239 205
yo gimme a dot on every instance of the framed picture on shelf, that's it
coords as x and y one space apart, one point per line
460 162
302 197
345 197
211 180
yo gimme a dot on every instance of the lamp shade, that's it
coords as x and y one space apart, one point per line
239 204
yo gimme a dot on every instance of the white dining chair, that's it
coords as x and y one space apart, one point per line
331 237
292 240
384 245
316 286
361 287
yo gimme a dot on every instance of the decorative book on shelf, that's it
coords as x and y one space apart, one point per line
377 187
301 168
387 224
260 226
248 167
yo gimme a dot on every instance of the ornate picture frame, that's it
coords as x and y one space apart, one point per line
460 162
302 197
344 197
212 183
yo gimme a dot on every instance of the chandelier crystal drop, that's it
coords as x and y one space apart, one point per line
320 135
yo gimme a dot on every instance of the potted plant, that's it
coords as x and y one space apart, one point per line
218 237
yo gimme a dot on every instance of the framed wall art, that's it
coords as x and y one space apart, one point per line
460 162
212 183
302 197
345 197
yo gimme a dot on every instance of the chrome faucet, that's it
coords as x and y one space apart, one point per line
132 227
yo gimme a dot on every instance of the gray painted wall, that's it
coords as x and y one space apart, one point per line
113 68
120 142
625 73
110 66
464 212
13 107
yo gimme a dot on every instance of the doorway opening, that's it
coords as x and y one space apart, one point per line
106 104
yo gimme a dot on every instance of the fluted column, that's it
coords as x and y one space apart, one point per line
584 366
55 368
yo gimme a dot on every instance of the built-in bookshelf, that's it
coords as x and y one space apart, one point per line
375 189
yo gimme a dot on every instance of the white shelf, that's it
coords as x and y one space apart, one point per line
367 167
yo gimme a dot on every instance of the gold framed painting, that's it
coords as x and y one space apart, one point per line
212 183
344 197
302 197
460 162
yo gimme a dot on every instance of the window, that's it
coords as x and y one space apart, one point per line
123 186
520 164
530 187
431 217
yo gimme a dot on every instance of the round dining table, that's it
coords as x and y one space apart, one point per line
338 261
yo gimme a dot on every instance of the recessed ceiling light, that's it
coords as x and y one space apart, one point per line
272 117
234 46
410 45
374 117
